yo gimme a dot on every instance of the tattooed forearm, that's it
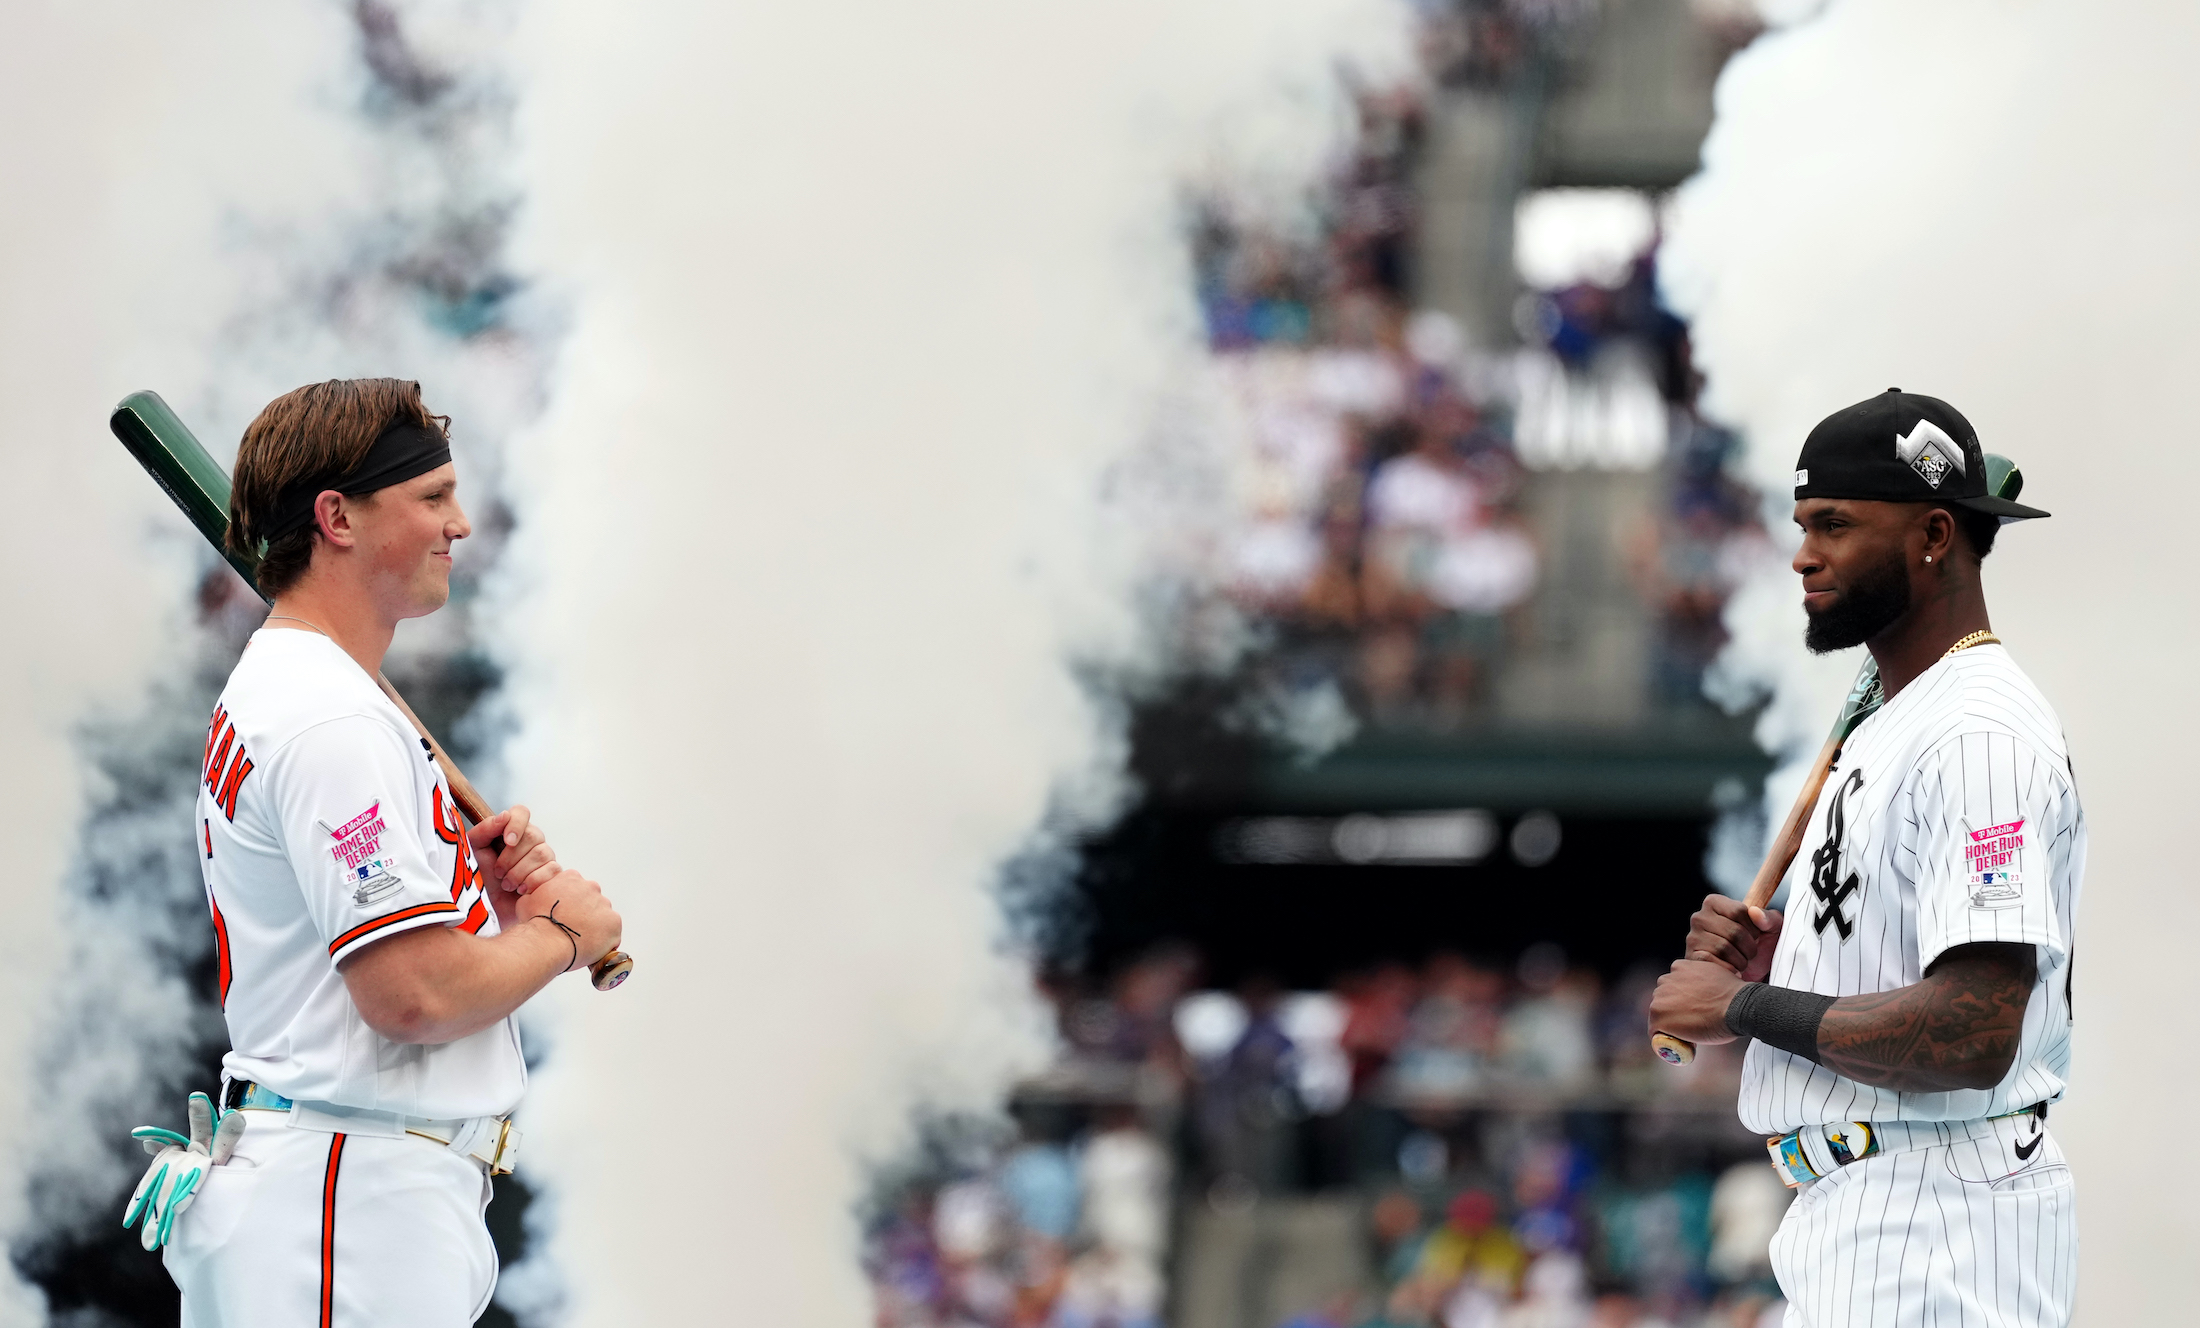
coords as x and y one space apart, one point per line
1956 1029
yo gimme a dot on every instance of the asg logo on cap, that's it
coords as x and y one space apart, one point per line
1929 451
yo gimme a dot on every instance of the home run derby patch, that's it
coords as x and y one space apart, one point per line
358 852
1989 864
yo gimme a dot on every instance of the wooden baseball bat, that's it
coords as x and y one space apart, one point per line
171 454
1864 698
607 972
2003 480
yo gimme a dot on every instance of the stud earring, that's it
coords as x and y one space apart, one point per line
1928 557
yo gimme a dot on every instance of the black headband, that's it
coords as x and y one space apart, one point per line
403 451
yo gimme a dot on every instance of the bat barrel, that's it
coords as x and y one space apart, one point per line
194 480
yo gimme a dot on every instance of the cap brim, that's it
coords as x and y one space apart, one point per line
2001 507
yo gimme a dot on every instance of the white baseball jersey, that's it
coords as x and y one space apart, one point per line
1951 818
325 826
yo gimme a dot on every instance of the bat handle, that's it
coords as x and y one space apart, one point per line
611 970
1785 845
607 972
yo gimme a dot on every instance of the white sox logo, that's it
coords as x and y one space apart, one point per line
1825 865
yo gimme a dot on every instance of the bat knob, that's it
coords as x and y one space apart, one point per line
611 970
1672 1050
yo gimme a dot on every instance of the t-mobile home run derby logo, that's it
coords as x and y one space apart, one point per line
357 849
1989 864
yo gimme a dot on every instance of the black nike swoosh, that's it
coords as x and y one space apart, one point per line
2025 1151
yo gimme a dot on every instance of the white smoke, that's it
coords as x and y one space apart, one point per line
126 131
219 204
116 154
868 301
1993 203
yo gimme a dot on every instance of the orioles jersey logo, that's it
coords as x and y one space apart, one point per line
464 870
1826 881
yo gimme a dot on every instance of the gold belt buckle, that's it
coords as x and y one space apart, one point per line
505 1138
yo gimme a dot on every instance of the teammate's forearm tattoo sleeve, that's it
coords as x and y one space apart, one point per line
1957 1029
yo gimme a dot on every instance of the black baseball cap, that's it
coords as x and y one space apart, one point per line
1900 447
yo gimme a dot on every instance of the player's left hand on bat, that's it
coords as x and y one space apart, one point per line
1691 999
512 850
178 1168
1727 931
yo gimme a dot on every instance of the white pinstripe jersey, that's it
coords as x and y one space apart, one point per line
1952 817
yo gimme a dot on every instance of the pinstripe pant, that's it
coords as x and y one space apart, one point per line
1963 1235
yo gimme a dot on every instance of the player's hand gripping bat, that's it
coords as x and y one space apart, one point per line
2003 480
198 484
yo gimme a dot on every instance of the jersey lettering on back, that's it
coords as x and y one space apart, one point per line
224 780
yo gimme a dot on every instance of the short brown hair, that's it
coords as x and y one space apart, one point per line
322 428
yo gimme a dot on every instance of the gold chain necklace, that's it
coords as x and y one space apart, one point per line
284 617
1982 637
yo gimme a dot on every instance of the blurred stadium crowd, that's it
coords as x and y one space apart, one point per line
1388 539
1508 1151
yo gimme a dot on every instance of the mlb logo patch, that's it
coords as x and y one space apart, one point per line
1997 888
373 881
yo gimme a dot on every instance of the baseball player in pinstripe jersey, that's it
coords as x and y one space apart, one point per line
1911 1009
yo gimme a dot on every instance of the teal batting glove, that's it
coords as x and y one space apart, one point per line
178 1169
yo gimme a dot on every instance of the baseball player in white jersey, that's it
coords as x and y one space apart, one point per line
1911 1010
369 963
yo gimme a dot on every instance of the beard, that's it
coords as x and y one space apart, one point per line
1864 610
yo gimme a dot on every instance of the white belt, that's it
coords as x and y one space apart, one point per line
489 1140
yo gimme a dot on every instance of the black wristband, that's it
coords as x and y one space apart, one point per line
1778 1017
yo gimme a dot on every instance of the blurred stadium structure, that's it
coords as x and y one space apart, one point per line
1352 1017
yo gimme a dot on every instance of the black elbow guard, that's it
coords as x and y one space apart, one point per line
1778 1017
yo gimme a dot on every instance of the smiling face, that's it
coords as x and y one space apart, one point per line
1855 565
402 536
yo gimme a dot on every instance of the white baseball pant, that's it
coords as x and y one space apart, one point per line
337 1230
1977 1234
